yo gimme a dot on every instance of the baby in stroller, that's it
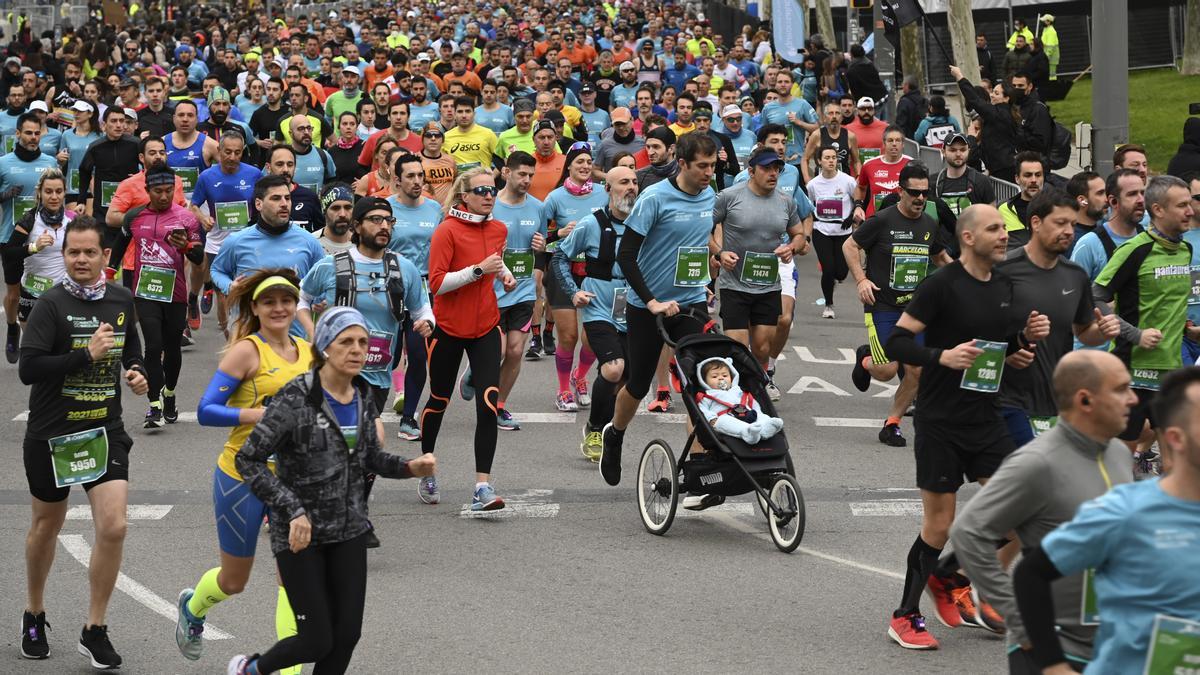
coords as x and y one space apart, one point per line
727 408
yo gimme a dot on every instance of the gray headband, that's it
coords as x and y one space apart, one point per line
332 322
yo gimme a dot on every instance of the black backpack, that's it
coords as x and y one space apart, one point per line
600 268
346 289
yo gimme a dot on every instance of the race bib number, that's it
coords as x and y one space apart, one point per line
35 285
1146 378
107 190
1041 425
155 283
829 210
1194 296
620 302
691 266
878 200
21 206
760 269
189 175
984 374
957 203
1089 613
73 182
866 154
1174 647
910 264
79 458
10 142
232 215
379 351
312 186
519 261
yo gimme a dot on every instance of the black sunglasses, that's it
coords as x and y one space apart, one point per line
913 192
485 190
432 134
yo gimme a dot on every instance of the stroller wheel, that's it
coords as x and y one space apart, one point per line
786 520
657 487
767 481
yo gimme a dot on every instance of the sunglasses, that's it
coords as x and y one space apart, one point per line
432 134
485 191
379 220
581 145
913 192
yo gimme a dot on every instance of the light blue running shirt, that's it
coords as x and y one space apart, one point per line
676 226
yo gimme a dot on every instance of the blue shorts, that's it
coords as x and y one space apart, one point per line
239 515
879 329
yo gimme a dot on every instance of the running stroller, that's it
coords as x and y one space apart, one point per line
731 466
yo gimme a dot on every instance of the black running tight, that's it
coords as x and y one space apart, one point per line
483 357
833 263
162 327
327 588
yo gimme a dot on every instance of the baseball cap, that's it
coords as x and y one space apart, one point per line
955 138
627 65
129 112
12 61
764 157
731 111
523 105
543 125
352 70
1047 18
587 89
127 83
702 113
251 55
621 114
865 102
424 57
39 105
82 106
556 117
365 206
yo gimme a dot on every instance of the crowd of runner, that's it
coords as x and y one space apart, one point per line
359 198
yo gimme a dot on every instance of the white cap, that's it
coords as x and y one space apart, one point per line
424 57
351 69
39 105
731 111
82 106
865 102
129 112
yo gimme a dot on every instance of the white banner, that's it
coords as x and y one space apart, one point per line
788 20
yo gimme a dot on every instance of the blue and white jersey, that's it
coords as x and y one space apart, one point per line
413 230
673 258
23 175
776 112
499 120
584 241
595 122
523 221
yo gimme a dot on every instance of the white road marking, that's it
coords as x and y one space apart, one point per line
852 422
845 358
527 504
730 521
132 512
813 384
889 390
887 507
79 549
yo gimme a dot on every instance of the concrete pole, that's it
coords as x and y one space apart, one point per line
1191 39
885 61
962 40
1110 77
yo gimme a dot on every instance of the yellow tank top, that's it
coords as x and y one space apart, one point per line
274 371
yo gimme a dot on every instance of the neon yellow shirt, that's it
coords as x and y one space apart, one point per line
471 148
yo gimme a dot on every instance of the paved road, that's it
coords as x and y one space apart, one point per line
568 581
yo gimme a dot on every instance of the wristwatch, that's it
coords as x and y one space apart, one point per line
477 272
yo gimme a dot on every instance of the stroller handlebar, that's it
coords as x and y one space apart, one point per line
703 318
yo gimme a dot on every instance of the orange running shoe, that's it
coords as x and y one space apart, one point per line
909 632
967 609
986 616
941 592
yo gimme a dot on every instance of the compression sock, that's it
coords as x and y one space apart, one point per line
193 298
537 330
892 420
499 405
604 399
922 560
285 625
586 358
562 364
207 594
398 381
209 285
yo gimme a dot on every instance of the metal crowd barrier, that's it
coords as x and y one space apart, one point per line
932 158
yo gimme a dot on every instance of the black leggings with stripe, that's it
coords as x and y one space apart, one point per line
483 357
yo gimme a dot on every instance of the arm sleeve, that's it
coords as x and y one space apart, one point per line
902 346
86 167
1129 332
131 355
213 410
562 271
627 255
1031 588
269 436
441 249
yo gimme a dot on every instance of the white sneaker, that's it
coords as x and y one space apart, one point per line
828 313
773 391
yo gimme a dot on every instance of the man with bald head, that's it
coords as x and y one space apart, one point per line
967 314
1041 486
601 299
314 166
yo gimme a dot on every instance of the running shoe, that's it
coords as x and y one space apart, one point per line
593 444
695 501
193 313
188 340
485 499
565 402
828 313
548 346
967 610
890 435
188 629
371 540
582 397
986 616
409 430
909 632
94 644
237 665
610 454
772 390
534 352
506 421
206 301
154 418
12 348
1146 465
860 376
170 412
398 404
33 636
661 402
465 388
428 491
943 594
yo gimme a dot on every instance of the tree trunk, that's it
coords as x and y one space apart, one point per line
1191 39
962 39
825 24
912 55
